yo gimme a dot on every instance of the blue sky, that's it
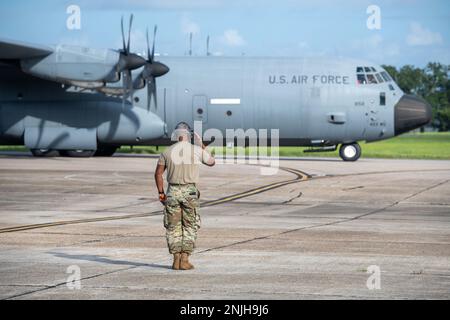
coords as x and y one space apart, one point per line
412 31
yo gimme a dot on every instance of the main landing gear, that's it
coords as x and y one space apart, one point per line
105 151
44 152
350 151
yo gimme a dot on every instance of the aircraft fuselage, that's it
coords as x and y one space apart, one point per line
312 102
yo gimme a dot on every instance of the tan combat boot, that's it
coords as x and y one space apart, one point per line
176 261
184 264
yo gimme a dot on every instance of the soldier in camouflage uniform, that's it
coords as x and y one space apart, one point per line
181 217
181 204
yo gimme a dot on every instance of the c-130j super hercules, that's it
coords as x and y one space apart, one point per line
80 101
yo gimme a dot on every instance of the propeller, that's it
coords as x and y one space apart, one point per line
152 70
128 61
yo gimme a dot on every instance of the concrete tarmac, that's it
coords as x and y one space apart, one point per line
324 237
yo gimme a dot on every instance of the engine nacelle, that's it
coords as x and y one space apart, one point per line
74 63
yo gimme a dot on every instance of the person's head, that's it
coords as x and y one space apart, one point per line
182 132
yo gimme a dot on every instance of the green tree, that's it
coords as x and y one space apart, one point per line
412 80
437 94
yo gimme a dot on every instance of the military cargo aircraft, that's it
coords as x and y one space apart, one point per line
78 101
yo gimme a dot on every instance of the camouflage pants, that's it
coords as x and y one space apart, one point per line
181 218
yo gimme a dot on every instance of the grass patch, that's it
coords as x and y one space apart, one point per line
13 148
429 145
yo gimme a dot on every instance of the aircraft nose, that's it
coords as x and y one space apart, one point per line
411 112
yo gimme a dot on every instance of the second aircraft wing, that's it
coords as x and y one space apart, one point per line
12 49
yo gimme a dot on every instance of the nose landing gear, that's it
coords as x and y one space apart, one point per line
350 151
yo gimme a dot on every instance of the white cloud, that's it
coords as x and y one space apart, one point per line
232 38
420 36
188 26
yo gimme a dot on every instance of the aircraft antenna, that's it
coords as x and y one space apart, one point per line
190 44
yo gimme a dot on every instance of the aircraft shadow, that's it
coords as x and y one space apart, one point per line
100 259
128 155
19 154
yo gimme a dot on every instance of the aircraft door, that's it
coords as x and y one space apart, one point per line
199 108
375 124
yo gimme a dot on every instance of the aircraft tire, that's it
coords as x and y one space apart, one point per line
105 151
44 152
78 153
350 151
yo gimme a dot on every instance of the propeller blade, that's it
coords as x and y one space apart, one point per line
151 70
127 85
154 93
123 35
148 47
129 33
154 40
151 93
130 86
124 85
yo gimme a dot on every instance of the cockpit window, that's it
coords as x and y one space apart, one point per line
361 78
371 78
379 78
368 75
385 76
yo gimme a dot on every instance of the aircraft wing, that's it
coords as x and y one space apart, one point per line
12 49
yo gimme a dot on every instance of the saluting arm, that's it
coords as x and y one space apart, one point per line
211 161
